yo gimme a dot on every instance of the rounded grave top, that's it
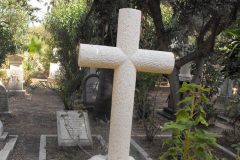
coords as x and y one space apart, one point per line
2 86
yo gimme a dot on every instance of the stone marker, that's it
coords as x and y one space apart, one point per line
15 74
1 128
73 129
54 70
126 59
3 99
185 73
90 88
15 79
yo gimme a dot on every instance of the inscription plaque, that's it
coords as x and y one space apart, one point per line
73 129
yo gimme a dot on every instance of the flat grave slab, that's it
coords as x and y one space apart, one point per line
73 129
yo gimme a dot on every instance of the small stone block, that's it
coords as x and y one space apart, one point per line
4 136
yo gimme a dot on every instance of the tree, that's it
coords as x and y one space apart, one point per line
232 55
14 16
65 23
201 20
198 22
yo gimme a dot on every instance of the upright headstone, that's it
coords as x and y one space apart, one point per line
90 88
1 128
54 70
226 88
126 59
73 129
185 73
15 74
3 99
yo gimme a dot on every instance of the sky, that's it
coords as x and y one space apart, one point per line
40 14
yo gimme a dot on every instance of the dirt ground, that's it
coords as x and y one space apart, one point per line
35 115
31 116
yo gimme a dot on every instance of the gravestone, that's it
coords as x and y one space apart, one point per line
126 59
3 99
73 129
54 70
15 74
90 88
185 73
225 91
15 79
1 128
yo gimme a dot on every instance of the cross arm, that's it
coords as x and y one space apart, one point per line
100 56
153 61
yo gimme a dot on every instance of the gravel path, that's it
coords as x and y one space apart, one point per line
30 118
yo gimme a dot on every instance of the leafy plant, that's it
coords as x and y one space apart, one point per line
237 147
232 55
233 113
145 103
190 141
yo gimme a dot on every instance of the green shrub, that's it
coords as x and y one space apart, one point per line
188 139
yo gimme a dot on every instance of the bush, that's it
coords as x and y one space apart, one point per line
188 140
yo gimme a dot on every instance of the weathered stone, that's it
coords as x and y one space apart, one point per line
101 157
185 73
90 88
3 99
54 70
15 78
73 129
15 60
1 128
126 59
15 74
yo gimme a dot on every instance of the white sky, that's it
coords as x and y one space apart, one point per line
41 13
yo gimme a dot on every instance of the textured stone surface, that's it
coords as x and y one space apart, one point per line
3 98
73 129
126 59
1 128
185 73
16 79
101 157
90 88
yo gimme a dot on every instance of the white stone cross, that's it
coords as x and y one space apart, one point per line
126 59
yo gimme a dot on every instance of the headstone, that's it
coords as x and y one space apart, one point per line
15 74
126 59
185 73
3 99
92 71
90 87
73 129
54 70
16 79
15 60
1 128
226 88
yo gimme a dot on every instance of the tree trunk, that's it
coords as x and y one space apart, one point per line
199 69
174 96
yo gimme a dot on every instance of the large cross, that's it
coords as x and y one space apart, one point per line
126 59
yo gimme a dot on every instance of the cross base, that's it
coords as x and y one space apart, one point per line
101 157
